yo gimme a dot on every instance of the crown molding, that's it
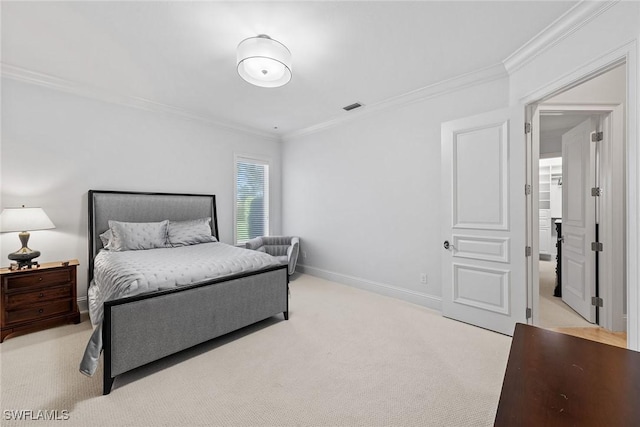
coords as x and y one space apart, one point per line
83 90
567 24
443 87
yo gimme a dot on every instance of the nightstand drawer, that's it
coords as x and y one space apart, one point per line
48 277
37 312
46 294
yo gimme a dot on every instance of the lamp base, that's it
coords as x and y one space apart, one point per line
24 255
24 260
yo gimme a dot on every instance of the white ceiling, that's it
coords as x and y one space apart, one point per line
182 54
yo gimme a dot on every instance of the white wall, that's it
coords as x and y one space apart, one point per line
365 196
550 144
57 146
603 39
608 88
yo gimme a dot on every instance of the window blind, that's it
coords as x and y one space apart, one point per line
252 199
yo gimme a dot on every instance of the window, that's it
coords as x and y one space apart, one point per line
252 198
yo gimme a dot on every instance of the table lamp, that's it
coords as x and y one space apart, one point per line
24 220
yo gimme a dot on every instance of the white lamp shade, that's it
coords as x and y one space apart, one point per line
264 62
24 219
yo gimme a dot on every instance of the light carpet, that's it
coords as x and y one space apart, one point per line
555 313
346 357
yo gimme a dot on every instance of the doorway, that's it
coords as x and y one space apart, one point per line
567 171
599 101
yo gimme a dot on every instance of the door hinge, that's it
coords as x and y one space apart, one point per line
527 251
597 301
527 128
527 189
597 136
596 191
596 246
528 312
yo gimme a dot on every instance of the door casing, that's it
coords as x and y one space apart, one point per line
612 219
627 54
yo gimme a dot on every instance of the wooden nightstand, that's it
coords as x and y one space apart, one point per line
38 298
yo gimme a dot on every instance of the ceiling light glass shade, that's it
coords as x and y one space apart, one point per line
24 219
264 62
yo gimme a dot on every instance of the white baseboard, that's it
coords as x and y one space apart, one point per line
419 298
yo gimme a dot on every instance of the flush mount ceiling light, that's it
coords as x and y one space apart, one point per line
264 62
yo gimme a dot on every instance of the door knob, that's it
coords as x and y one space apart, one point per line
446 244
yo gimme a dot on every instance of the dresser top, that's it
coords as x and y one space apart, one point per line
44 266
557 379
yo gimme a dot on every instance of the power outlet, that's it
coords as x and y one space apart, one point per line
423 278
304 254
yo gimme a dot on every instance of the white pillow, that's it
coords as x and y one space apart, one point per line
192 232
131 236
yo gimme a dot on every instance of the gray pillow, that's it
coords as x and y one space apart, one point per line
192 232
105 238
131 236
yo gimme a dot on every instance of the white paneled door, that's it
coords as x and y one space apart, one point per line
484 226
578 219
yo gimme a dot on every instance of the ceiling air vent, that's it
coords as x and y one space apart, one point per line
352 106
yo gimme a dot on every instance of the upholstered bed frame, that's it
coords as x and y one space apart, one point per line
141 329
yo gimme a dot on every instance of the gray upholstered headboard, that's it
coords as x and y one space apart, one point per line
144 207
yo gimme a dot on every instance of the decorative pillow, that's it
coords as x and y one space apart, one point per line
106 238
192 232
131 236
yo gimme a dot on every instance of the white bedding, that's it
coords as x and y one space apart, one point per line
128 273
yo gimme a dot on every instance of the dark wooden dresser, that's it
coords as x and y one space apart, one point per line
38 298
553 379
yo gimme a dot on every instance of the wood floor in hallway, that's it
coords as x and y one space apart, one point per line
618 339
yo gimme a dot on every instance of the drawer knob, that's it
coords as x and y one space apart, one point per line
41 311
41 295
39 279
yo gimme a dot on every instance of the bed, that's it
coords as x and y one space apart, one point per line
148 323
